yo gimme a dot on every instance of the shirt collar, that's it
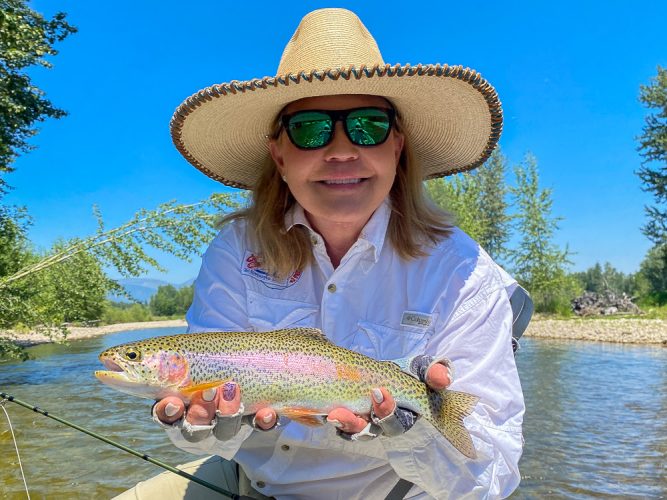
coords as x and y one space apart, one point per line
374 232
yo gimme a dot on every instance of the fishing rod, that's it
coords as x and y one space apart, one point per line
7 397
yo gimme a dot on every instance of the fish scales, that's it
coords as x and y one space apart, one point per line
298 372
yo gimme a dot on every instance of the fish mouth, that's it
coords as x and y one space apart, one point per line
117 376
110 376
122 382
112 365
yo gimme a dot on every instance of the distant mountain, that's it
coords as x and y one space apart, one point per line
142 289
186 283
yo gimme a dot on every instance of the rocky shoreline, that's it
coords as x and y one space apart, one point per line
619 330
80 332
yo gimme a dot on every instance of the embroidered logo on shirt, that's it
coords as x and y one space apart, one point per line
416 319
252 267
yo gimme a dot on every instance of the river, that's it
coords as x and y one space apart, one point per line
595 426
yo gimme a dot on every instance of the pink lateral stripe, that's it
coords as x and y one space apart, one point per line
297 364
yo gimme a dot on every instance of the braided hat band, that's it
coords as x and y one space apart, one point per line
452 116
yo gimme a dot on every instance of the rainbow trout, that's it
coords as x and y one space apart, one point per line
298 372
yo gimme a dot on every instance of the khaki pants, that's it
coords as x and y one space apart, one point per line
170 486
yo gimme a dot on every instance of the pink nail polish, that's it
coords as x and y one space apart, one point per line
208 394
170 409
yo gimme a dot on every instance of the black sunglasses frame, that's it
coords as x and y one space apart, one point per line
337 115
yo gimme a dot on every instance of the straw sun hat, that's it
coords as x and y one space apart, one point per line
452 115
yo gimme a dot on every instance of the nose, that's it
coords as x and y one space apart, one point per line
340 148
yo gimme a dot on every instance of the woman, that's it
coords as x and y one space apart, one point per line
341 237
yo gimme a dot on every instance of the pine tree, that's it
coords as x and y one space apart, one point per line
493 205
478 201
539 265
653 148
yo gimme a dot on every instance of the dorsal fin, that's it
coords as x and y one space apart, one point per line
313 333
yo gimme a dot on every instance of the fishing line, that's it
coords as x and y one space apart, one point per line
16 446
7 397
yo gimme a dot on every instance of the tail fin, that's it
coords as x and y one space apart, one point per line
449 408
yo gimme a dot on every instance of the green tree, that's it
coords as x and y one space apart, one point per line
653 149
478 200
36 296
603 278
185 295
653 273
460 196
169 300
119 312
26 39
14 245
166 301
493 205
73 291
539 265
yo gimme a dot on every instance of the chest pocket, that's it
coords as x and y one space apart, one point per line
270 313
383 342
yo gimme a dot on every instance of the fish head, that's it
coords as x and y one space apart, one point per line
146 369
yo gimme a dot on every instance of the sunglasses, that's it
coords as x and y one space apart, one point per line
314 128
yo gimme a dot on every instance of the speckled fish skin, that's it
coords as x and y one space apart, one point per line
297 372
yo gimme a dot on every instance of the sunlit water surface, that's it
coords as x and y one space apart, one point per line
595 427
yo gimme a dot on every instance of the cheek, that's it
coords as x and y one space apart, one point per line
170 368
297 161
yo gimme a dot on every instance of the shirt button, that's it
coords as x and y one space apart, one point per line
284 447
261 484
313 240
331 287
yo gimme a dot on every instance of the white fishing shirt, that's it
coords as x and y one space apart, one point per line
453 303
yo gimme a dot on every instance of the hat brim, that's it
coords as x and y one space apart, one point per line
453 117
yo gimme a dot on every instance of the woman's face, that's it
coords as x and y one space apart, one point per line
340 182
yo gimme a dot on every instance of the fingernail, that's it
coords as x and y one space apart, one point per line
267 418
335 423
208 394
229 391
377 396
170 409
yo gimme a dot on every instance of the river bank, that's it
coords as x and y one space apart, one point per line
619 330
80 332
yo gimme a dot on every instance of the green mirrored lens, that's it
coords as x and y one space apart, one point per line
310 129
367 127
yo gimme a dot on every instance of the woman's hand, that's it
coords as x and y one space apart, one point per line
438 377
216 409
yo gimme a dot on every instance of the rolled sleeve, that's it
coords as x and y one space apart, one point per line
477 340
210 445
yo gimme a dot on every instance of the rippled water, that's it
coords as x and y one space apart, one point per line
595 427
60 462
596 420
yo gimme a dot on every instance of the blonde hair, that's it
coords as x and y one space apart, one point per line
415 221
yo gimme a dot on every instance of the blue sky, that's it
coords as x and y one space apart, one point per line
568 74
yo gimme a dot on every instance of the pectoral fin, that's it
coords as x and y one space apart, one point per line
305 416
189 390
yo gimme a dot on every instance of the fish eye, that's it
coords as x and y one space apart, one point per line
133 354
